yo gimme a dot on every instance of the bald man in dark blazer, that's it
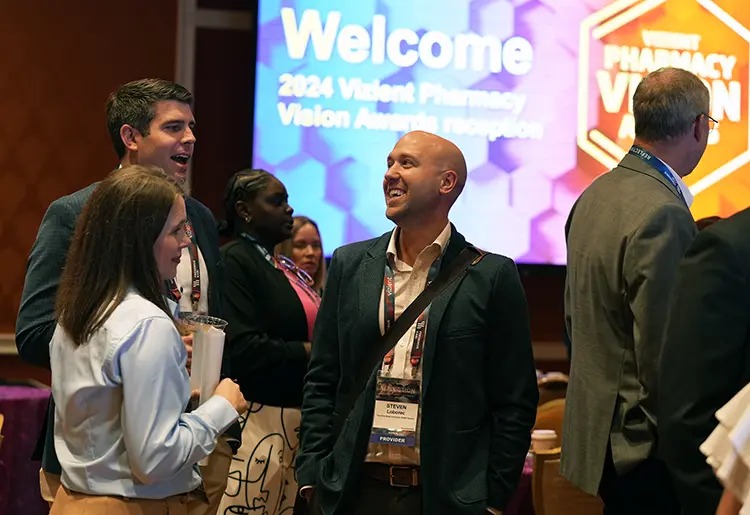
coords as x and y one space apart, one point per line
477 377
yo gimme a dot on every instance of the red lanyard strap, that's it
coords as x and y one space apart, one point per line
195 270
389 314
374 354
195 265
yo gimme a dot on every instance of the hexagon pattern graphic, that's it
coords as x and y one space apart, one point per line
330 149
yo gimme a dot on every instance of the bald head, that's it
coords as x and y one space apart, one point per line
425 176
442 153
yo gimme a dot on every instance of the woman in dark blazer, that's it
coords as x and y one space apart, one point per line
270 310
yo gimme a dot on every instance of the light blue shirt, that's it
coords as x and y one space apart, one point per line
120 421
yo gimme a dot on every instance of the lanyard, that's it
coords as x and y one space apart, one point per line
290 274
263 251
195 270
658 165
389 315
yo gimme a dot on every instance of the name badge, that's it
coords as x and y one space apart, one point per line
396 411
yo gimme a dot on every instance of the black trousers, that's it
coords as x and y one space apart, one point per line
375 497
645 490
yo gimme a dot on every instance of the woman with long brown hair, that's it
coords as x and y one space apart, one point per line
119 379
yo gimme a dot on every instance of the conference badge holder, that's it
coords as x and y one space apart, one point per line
396 411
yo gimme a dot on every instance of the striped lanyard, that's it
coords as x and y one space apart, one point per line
195 266
389 315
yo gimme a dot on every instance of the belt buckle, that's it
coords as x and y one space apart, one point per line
394 482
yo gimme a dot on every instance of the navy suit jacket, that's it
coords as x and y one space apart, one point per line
479 393
36 323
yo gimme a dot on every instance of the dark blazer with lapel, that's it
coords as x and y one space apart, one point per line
266 329
706 356
479 390
36 323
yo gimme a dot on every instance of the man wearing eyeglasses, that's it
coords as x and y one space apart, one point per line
625 237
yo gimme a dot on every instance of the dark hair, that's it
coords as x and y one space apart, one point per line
285 249
134 104
667 102
112 249
243 185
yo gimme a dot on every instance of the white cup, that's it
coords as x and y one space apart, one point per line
543 439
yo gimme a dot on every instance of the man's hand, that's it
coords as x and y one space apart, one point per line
188 341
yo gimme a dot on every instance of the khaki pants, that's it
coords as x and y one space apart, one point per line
48 484
72 503
214 479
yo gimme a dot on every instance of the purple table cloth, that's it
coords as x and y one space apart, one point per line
24 409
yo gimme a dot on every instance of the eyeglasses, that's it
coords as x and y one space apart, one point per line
712 123
293 268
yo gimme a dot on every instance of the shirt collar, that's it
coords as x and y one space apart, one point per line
173 307
683 187
441 242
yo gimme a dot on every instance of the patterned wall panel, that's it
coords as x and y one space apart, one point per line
224 93
60 61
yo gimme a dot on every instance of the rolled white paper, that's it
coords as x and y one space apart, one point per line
210 344
196 365
208 349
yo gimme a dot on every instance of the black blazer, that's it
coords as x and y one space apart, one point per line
706 355
266 329
479 393
36 322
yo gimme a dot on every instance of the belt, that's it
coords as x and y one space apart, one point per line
400 476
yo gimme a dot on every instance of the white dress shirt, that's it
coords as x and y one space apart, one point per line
408 283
